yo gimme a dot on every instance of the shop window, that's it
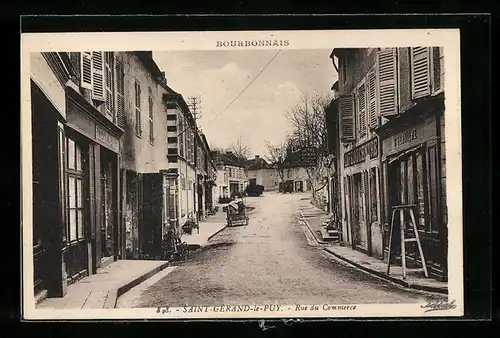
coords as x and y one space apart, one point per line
75 191
419 182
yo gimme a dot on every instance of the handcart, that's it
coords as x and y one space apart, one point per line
237 213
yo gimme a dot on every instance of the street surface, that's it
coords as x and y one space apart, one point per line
268 261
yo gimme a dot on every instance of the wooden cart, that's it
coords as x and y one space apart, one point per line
237 213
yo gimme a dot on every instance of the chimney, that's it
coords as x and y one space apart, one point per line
257 157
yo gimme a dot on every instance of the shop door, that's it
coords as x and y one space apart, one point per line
358 209
150 229
109 231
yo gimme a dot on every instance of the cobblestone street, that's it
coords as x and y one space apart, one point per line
270 260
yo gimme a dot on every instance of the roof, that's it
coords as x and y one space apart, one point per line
227 158
257 164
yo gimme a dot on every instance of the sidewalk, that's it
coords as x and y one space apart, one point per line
101 290
209 227
314 218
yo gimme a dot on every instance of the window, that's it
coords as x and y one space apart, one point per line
427 71
151 107
361 109
181 136
387 81
120 95
138 127
347 118
172 140
110 85
172 129
419 182
75 196
183 182
92 74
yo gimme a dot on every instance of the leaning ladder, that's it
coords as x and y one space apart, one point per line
401 209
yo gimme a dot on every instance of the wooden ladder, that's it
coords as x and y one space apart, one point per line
401 209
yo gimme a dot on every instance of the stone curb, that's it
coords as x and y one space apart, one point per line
311 230
215 233
113 295
415 286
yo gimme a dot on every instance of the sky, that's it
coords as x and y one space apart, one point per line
259 114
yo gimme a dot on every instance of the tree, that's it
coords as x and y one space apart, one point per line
276 157
308 120
240 150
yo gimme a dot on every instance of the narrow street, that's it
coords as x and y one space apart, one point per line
269 260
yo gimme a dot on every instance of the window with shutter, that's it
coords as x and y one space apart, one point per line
386 65
420 70
437 81
151 107
372 99
120 95
86 70
110 84
138 127
404 81
361 110
347 117
98 76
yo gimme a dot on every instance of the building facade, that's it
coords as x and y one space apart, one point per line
143 152
76 133
259 172
235 177
391 121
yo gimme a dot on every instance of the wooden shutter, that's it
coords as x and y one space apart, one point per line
404 83
98 76
371 82
120 95
361 105
386 65
420 71
437 71
347 118
86 70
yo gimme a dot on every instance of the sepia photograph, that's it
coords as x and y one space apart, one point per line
288 174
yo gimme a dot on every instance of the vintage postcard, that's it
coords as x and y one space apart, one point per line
257 174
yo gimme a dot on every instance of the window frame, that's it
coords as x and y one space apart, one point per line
137 106
78 174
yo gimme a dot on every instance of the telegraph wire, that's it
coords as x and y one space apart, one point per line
244 89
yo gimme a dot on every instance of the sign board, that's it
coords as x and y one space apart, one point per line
359 154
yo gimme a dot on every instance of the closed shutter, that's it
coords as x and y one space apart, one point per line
347 117
437 82
98 76
386 64
404 86
361 97
120 95
371 81
86 70
420 70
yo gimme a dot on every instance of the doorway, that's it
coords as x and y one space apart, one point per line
108 222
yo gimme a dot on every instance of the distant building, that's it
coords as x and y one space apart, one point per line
235 171
262 173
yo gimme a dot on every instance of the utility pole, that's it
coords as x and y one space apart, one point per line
194 106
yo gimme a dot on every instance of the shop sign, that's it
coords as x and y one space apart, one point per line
359 154
405 137
106 139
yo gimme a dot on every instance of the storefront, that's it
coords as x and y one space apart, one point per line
362 197
412 159
90 144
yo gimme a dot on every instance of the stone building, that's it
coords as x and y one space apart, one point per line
391 124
